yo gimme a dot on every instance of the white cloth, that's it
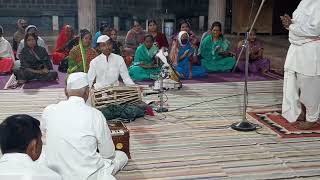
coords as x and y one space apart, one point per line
40 42
117 164
309 87
304 53
5 49
106 71
19 166
74 132
302 64
77 80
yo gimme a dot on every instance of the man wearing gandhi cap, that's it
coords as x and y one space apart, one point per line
74 133
105 69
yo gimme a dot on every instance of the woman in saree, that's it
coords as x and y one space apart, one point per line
184 57
40 42
184 25
134 37
160 38
104 29
215 51
6 55
144 64
118 47
35 62
62 50
257 63
81 55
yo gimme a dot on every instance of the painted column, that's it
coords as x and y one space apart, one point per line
217 12
87 15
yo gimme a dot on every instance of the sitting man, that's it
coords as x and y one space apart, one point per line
105 69
79 143
22 24
21 144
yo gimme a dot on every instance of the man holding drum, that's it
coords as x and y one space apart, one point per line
105 69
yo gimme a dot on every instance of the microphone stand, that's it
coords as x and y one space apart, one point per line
161 108
163 74
245 125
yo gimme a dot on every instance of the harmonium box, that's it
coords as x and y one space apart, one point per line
120 136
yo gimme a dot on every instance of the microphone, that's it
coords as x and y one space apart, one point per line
150 93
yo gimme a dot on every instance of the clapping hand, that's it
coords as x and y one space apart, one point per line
186 53
286 20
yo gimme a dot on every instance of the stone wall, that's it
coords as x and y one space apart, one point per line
40 12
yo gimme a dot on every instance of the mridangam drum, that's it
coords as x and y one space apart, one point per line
115 95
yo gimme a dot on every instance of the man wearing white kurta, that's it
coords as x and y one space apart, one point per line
74 133
302 66
21 145
105 69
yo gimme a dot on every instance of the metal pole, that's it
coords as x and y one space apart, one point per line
245 125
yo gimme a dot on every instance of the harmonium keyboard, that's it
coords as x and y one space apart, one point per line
120 136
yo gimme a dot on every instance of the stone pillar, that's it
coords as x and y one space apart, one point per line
87 15
146 24
201 23
55 23
217 12
116 22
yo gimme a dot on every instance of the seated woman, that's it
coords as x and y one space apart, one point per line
105 29
31 29
62 50
35 62
257 63
144 64
193 39
215 51
134 37
160 38
81 55
6 55
184 57
118 47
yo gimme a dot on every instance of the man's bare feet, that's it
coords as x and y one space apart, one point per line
306 125
302 116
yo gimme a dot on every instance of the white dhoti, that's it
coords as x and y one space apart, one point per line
111 167
297 89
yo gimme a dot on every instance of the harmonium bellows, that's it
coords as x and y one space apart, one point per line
115 95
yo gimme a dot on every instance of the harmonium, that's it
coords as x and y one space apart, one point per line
120 136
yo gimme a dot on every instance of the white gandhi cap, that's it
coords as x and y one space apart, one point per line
102 38
77 80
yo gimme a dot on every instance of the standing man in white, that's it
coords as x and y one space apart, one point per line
75 131
105 69
301 89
